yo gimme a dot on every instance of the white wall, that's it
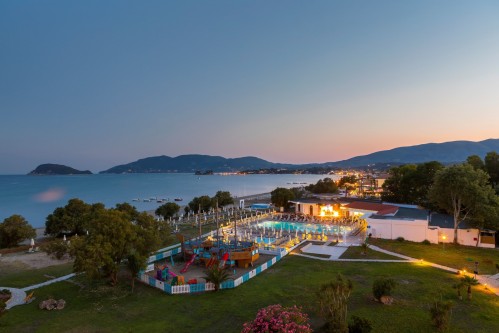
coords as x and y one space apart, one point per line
466 237
411 230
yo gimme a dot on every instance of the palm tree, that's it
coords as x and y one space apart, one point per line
458 287
468 281
217 276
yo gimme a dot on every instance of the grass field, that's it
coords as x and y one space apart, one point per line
19 277
294 280
355 252
455 256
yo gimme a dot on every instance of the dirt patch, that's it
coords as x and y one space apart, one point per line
29 260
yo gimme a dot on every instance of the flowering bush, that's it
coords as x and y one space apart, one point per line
278 319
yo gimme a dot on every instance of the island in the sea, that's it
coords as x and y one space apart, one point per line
57 169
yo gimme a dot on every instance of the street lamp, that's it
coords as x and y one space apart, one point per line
444 237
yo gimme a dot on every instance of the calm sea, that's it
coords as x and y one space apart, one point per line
35 197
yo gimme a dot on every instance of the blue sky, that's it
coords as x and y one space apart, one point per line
93 84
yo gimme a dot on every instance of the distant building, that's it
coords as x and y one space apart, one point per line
390 221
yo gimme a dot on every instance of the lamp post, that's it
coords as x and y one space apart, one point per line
444 237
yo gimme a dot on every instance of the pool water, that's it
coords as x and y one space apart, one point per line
303 227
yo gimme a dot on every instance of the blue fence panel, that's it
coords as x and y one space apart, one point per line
197 287
168 288
152 281
228 284
258 269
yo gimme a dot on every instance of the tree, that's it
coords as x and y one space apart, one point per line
326 185
167 210
476 162
278 319
348 182
492 168
217 276
333 298
468 282
224 198
15 229
128 209
113 237
72 218
280 197
465 193
410 183
203 201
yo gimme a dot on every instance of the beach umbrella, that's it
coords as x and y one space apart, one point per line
32 243
64 238
296 233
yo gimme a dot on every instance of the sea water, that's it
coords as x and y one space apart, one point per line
35 197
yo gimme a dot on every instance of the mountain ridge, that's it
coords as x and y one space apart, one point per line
445 152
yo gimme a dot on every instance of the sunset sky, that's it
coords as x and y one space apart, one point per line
93 84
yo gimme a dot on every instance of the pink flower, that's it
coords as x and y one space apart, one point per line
277 319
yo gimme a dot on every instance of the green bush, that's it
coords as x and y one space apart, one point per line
57 248
383 287
426 242
360 325
400 239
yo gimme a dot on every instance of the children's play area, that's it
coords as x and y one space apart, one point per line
243 250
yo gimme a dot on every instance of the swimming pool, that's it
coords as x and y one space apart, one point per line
303 227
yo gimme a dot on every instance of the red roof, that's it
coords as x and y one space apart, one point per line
381 209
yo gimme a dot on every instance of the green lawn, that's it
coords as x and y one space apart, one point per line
12 276
294 280
355 252
456 256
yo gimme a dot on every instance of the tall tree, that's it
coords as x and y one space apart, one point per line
410 183
110 239
466 194
476 162
326 185
15 229
280 197
167 210
348 182
204 202
224 198
492 168
72 218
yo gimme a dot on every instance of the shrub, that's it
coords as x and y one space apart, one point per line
440 312
360 325
426 242
400 239
383 287
56 249
278 319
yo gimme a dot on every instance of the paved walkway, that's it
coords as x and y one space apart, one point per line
490 282
19 294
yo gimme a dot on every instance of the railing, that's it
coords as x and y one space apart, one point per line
193 288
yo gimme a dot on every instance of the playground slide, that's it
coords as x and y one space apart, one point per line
187 264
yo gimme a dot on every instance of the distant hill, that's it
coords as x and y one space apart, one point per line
57 169
193 163
447 152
